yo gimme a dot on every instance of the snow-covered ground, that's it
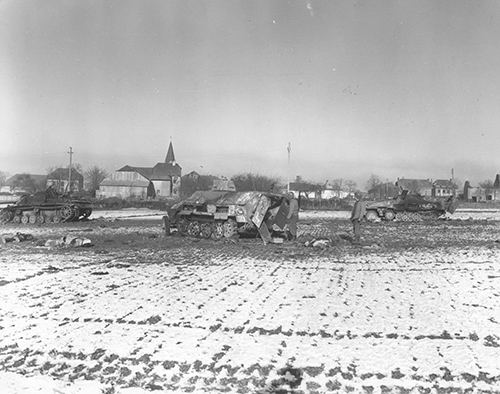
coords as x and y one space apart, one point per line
140 312
128 213
144 213
459 214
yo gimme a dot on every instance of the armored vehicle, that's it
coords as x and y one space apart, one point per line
216 214
409 207
46 207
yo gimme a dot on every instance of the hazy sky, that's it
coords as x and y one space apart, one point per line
395 88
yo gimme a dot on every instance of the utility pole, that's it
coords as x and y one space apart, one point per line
70 152
289 149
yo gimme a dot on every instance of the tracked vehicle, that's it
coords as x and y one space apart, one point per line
409 207
223 214
46 207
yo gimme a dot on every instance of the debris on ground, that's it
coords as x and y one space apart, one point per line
321 241
69 241
18 237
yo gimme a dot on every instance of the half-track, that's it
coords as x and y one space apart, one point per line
46 207
410 207
223 214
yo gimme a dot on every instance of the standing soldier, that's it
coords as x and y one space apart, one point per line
357 214
293 215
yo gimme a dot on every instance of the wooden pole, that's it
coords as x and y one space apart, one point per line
70 152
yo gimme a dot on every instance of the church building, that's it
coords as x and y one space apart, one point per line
158 182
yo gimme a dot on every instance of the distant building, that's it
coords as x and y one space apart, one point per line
305 189
330 191
59 180
384 191
224 184
444 188
474 194
495 192
421 186
161 181
480 194
24 184
193 175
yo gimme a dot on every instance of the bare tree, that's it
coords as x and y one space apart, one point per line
350 185
486 184
93 177
3 178
77 167
373 180
189 185
344 184
26 183
249 182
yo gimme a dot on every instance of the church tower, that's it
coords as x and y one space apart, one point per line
170 158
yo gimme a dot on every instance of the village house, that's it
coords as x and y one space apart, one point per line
59 180
480 194
158 182
300 188
193 176
421 186
444 188
330 191
474 193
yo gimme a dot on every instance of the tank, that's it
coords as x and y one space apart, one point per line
220 214
46 207
409 207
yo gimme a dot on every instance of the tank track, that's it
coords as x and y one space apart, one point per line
43 215
203 229
416 216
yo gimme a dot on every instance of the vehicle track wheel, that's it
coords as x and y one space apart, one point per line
182 225
389 215
372 216
193 229
17 219
67 213
32 219
218 230
206 230
416 217
25 219
56 219
86 213
40 219
230 228
6 216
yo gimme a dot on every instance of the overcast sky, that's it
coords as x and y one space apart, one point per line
395 88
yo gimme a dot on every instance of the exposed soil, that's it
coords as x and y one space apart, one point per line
414 308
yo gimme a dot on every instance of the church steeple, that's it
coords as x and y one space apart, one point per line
170 154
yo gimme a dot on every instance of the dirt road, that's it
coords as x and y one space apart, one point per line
415 309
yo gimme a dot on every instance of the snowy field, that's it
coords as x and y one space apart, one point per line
416 308
459 214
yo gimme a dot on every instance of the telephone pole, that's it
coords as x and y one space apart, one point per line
289 149
70 152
